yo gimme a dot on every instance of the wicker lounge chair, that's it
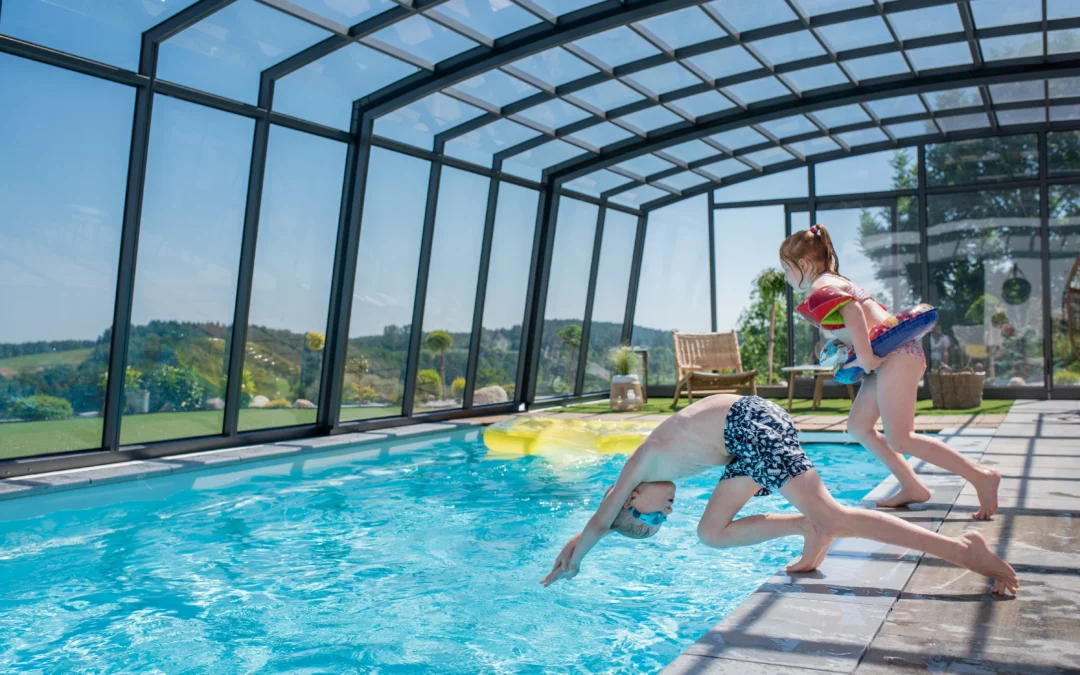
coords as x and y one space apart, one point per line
699 358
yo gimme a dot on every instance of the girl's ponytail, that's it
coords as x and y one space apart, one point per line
832 262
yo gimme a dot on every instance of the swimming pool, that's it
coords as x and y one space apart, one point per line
417 556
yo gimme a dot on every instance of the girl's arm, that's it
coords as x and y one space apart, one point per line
855 322
569 560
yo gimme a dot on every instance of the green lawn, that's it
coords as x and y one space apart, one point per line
831 406
20 364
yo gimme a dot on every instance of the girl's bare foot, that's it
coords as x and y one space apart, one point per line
909 494
987 489
978 557
815 547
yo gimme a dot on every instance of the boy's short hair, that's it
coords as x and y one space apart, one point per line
629 526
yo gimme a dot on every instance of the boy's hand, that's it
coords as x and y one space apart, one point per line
562 568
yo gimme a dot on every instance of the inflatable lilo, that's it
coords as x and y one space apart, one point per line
529 435
822 308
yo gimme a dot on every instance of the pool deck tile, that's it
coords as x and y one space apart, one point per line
335 441
938 617
422 428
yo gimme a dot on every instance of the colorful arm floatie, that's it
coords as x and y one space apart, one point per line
885 338
822 307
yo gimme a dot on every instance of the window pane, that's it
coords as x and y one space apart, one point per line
109 32
876 172
389 252
418 123
62 186
290 290
784 185
185 279
423 39
224 53
1064 284
673 293
747 245
451 290
571 261
982 160
986 281
1063 153
609 304
504 301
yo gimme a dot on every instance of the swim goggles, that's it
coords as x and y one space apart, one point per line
654 519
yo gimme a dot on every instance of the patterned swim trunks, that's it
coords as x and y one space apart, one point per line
762 438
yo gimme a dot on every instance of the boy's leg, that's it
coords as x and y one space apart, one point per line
718 528
970 550
898 382
864 415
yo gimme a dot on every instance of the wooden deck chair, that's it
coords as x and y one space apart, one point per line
698 359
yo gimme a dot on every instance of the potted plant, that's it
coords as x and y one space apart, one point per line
625 386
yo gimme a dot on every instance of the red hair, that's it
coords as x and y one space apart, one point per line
814 245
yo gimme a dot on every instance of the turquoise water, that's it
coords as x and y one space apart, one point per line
415 557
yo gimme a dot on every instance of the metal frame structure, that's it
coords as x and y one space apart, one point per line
560 180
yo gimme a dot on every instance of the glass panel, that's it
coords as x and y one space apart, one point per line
1061 9
724 168
814 146
683 27
597 183
897 107
747 241
784 185
736 139
349 12
725 62
1063 153
815 7
601 134
225 53
982 160
617 46
423 39
553 114
926 22
673 292
1030 116
863 137
856 34
786 127
645 165
909 129
650 119
705 103
609 302
876 172
769 156
185 280
496 88
1012 47
480 145
504 300
323 91
986 281
418 123
531 163
988 13
1063 113
451 290
757 90
642 194
1064 284
882 65
62 187
561 7
606 96
790 47
1018 91
842 116
943 56
665 78
744 16
107 32
385 287
815 78
554 67
490 18
691 151
568 285
961 122
954 98
290 291
684 180
1063 41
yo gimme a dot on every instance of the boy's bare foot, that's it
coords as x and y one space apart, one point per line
908 495
979 558
815 547
987 489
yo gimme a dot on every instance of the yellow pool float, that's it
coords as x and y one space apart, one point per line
535 435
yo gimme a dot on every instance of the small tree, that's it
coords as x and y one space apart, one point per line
428 383
439 342
570 336
771 285
457 388
357 366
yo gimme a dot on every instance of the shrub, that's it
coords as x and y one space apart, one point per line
1066 377
41 407
428 383
623 359
510 389
175 386
457 388
278 403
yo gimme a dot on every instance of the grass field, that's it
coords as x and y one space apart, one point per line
831 406
22 364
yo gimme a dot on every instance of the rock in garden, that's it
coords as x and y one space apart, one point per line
489 395
259 401
304 403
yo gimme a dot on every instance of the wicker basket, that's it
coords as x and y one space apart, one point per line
956 390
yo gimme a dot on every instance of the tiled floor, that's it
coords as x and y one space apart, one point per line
923 423
874 610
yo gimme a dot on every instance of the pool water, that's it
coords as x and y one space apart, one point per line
410 557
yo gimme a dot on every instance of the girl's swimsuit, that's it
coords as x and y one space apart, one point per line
763 440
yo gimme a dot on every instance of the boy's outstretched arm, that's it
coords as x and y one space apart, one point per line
569 560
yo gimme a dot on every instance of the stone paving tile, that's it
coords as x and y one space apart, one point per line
10 489
688 664
411 429
333 441
1036 460
125 471
54 481
897 654
1019 504
845 579
794 632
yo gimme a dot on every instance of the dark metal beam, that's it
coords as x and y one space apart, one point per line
481 292
1044 241
635 279
539 272
712 261
33 52
590 296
